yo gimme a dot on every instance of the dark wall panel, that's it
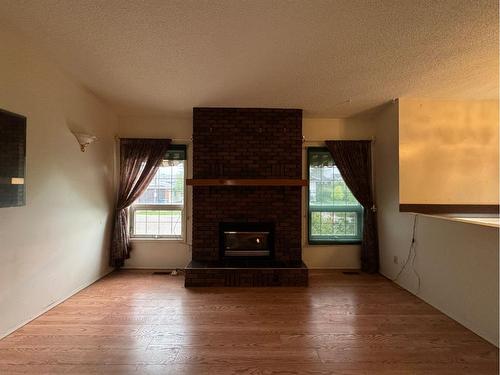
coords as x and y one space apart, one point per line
12 159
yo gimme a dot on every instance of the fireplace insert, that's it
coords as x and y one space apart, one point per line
246 240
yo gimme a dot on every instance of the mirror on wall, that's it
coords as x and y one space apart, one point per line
12 159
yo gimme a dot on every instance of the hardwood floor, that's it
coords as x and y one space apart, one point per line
138 323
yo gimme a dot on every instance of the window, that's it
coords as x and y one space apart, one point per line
335 216
159 211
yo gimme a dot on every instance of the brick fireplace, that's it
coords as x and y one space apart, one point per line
247 144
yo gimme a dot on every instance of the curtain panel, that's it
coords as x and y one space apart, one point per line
353 159
139 162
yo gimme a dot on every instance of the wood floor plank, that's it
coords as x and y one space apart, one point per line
137 323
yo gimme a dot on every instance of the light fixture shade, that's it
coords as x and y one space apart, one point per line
84 140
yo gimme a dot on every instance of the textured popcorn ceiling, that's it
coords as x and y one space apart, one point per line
159 56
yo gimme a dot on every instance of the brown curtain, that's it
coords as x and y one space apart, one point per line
139 162
353 159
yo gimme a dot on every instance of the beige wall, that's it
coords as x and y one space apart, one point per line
457 262
448 152
162 254
57 243
176 254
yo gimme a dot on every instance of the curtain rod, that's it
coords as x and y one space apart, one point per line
304 140
172 139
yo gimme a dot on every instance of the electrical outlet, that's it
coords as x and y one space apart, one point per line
395 259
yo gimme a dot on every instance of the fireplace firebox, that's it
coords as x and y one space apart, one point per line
246 240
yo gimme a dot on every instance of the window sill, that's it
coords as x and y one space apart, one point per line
152 239
332 243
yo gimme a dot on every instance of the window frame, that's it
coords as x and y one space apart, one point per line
166 207
310 209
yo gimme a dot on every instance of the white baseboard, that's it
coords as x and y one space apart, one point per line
151 268
334 268
52 305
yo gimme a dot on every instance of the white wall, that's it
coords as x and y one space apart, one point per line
58 242
158 254
457 262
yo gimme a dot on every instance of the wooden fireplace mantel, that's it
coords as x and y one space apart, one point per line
246 182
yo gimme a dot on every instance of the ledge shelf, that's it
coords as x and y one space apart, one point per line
245 182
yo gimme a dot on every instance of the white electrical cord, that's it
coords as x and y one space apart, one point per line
412 254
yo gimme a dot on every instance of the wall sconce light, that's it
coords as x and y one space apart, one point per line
84 140
11 181
17 181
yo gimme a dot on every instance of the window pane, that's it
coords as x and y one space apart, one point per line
167 187
351 224
334 225
327 187
339 224
327 223
157 223
165 190
315 223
